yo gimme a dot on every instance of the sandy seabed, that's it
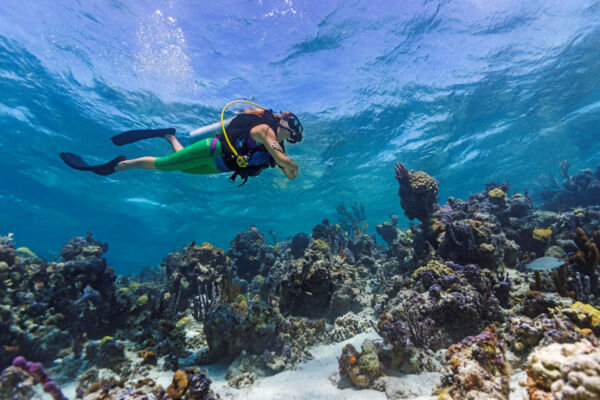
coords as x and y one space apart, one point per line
316 379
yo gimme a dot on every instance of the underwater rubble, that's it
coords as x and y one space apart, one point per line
476 291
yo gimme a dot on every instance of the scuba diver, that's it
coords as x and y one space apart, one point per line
252 141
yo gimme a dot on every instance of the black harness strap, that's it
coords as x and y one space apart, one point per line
238 128
235 175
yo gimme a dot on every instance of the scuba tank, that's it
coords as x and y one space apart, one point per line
208 130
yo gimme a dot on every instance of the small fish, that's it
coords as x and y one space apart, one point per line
308 293
544 264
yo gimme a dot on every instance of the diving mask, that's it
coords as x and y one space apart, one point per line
295 128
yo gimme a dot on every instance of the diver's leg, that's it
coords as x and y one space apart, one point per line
208 168
208 165
140 163
190 157
174 142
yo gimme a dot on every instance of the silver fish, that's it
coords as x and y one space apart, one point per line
544 264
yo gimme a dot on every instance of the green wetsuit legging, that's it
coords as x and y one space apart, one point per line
197 158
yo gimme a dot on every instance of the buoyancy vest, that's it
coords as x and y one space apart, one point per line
257 156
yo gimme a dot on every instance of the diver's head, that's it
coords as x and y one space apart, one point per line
290 127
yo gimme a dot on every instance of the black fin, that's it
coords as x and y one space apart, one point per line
134 136
74 161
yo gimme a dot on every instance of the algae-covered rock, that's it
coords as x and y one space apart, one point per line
361 368
418 192
584 315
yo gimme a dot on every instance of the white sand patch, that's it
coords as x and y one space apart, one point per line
517 392
309 381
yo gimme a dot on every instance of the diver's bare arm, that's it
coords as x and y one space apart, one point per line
289 167
268 139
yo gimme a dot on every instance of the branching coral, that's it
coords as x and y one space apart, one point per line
206 301
564 168
587 257
351 220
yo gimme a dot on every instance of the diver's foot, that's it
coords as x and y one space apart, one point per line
173 142
76 162
121 166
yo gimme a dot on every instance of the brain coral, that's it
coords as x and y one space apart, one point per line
565 372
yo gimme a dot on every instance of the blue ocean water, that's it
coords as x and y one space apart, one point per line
467 91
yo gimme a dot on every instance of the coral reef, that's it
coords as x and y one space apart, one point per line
230 329
587 256
107 353
8 254
455 302
579 190
250 254
331 236
188 270
418 193
299 243
401 245
319 284
47 305
361 367
348 325
475 369
37 372
564 371
16 384
493 260
521 334
191 383
353 221
474 231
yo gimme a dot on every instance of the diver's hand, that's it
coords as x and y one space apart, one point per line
290 172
